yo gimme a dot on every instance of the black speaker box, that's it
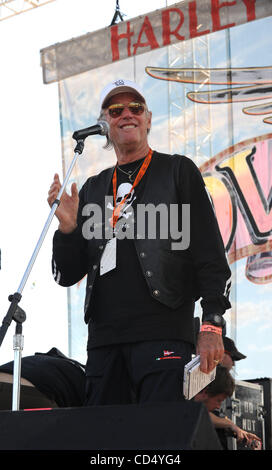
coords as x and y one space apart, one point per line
176 426
266 383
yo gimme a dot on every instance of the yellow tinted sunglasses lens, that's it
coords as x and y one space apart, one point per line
115 110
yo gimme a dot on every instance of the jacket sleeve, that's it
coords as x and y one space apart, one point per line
212 272
70 259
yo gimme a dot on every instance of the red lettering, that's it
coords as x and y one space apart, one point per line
151 38
215 11
115 38
166 30
250 6
193 23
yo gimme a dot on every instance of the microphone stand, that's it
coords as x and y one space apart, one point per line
15 312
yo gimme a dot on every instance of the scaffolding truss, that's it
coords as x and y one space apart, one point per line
10 8
190 124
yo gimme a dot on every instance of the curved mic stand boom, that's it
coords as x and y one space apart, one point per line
15 312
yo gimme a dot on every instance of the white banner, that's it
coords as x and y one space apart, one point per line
185 20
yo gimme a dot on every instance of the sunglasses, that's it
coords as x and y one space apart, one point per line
115 110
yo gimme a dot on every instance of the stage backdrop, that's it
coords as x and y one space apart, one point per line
205 67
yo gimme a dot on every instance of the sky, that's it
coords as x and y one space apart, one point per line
31 154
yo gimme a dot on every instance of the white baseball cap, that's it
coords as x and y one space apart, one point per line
119 86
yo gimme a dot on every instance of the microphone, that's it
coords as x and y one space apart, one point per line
101 128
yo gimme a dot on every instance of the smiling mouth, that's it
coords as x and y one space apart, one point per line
128 126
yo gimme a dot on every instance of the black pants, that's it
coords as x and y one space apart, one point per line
149 371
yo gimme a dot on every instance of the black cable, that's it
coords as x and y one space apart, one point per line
117 14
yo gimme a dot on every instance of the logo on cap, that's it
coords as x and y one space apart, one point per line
119 82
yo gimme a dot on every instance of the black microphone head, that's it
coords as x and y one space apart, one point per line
104 127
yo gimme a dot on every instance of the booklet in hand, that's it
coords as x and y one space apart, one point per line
194 380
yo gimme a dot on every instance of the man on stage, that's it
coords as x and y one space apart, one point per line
142 285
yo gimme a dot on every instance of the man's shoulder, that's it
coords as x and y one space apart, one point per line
103 174
176 160
100 178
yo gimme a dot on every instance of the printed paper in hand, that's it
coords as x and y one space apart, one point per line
194 380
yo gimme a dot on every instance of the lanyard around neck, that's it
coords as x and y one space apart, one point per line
116 210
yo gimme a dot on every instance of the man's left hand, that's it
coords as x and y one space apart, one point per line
211 350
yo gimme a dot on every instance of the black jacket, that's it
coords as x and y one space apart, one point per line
172 276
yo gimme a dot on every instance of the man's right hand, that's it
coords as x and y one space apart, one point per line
245 436
68 207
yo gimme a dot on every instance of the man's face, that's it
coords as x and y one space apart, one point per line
214 403
211 403
128 129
